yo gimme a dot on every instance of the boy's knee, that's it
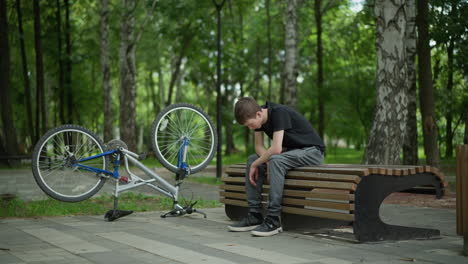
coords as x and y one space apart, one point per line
275 160
252 158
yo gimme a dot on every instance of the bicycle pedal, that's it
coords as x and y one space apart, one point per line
123 180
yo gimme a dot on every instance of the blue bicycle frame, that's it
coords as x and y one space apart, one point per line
163 186
114 174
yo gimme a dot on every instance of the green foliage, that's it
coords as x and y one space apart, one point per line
188 29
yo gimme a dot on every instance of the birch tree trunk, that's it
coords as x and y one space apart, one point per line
9 131
426 96
291 53
388 129
105 71
127 75
410 144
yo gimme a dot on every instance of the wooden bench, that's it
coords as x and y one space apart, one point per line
345 192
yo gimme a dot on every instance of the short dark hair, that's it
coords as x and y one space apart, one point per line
246 108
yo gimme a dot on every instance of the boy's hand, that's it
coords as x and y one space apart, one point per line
253 175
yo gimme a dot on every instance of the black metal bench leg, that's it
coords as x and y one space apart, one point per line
371 192
235 212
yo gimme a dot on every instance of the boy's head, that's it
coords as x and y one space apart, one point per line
248 113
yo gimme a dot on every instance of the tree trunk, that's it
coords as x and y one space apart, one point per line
40 91
291 55
68 66
179 86
127 75
465 138
2 149
449 113
258 63
219 163
388 129
162 90
321 104
410 144
61 85
270 57
152 91
237 78
27 86
426 96
183 49
105 71
9 131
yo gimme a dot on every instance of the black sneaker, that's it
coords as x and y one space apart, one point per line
250 222
271 226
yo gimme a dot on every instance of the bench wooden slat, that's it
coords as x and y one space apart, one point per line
236 171
233 179
321 184
323 176
242 196
300 211
303 183
366 165
323 204
359 171
293 201
230 187
318 213
296 174
233 202
352 171
341 196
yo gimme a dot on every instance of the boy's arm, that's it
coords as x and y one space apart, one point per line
275 149
259 148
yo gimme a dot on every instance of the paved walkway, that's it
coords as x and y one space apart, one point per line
147 238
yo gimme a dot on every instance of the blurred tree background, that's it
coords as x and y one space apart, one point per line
112 65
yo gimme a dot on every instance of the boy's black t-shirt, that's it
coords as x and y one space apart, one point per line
298 132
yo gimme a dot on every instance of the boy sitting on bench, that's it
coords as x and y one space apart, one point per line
294 144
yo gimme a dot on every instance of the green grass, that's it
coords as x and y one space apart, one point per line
95 206
343 156
204 180
240 157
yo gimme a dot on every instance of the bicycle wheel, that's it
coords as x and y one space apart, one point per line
54 163
177 122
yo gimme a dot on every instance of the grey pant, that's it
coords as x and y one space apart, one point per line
279 165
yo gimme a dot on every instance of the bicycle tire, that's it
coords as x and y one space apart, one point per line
168 130
64 181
